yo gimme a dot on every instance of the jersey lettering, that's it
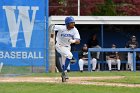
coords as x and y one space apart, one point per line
66 35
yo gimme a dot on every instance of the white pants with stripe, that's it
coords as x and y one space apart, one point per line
114 61
64 51
130 60
83 62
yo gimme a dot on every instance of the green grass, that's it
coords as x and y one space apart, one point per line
61 88
127 80
130 78
90 74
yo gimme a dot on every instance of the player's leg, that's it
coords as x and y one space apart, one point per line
68 56
65 54
109 64
68 68
65 64
64 51
81 64
130 60
118 64
98 53
94 63
64 74
64 67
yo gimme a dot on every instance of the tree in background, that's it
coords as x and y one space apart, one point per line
106 9
95 7
63 7
128 7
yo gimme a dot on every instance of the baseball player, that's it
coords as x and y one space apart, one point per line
67 34
84 59
132 43
113 58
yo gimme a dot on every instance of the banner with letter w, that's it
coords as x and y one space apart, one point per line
22 32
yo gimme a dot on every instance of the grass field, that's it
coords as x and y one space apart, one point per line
22 87
61 88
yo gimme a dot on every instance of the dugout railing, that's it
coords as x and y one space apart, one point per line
113 50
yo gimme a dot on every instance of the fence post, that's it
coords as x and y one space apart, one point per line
78 7
89 66
134 61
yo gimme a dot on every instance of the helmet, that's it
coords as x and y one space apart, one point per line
69 20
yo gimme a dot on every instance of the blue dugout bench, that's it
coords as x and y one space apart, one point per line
113 50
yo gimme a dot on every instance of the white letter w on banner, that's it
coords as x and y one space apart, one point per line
23 17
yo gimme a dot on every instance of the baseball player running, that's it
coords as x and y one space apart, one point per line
66 35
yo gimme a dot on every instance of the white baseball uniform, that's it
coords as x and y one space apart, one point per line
132 45
113 60
82 62
62 40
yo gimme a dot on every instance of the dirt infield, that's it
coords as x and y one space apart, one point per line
72 80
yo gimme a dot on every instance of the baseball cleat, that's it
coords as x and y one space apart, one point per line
64 77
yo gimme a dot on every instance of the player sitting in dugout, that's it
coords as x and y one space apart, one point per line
83 55
113 59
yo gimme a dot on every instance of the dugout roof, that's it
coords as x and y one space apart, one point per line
97 19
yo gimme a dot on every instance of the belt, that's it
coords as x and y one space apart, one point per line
62 45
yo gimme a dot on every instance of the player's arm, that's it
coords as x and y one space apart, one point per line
76 37
51 29
76 41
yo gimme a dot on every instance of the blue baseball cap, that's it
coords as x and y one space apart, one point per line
69 20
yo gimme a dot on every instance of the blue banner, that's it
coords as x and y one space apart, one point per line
22 32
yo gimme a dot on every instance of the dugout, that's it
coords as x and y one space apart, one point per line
109 29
